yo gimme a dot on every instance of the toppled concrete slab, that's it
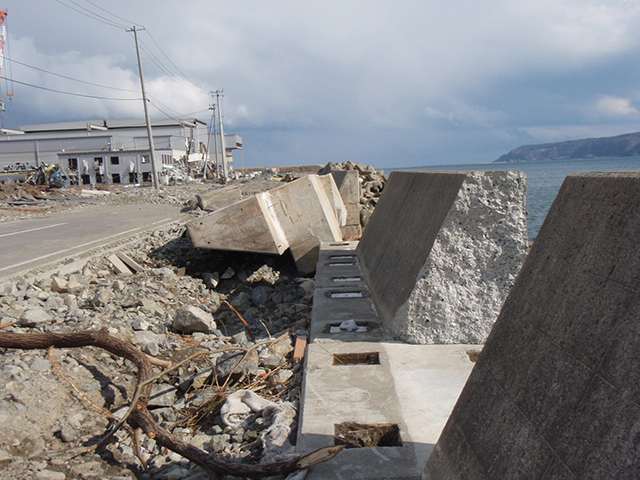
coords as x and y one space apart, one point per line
297 215
440 273
219 198
554 393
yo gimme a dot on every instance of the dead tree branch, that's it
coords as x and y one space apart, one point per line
140 416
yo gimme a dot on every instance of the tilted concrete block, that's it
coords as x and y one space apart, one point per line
298 215
219 198
442 250
554 393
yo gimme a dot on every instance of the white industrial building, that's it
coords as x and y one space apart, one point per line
111 151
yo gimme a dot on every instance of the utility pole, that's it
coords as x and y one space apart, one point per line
225 169
152 150
212 107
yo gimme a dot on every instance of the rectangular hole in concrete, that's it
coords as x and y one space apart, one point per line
341 257
340 264
359 435
348 326
346 279
339 244
364 358
345 295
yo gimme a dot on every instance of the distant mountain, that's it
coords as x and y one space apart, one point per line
627 145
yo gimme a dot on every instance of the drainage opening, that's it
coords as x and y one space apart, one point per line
365 358
344 244
340 264
345 295
359 435
346 279
342 257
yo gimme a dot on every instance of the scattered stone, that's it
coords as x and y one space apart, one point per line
34 317
191 319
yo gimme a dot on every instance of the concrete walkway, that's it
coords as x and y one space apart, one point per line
364 388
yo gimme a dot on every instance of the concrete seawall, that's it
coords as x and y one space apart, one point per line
442 251
555 391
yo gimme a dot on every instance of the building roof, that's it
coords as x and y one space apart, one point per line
110 124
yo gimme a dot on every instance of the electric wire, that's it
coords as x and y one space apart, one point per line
174 65
113 14
91 15
72 93
165 70
11 61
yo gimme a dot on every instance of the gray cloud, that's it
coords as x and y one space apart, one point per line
393 84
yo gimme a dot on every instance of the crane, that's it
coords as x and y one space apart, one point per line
3 38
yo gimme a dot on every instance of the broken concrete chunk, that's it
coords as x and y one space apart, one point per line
134 266
189 319
119 267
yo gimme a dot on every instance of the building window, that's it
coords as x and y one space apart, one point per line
115 161
97 160
145 158
73 163
115 178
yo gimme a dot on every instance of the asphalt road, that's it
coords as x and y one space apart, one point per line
27 244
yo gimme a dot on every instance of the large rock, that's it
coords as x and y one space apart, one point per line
189 319
442 250
554 393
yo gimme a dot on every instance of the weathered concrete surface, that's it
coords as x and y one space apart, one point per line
555 392
249 225
414 387
307 216
298 215
219 198
439 274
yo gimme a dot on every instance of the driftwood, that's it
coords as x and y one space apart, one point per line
140 417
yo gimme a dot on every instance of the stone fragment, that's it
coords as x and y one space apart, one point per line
101 298
59 285
34 317
8 288
233 363
189 319
211 280
260 296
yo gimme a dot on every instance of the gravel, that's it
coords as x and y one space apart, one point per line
44 421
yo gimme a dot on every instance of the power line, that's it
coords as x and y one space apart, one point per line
174 65
128 22
70 78
90 14
72 93
166 71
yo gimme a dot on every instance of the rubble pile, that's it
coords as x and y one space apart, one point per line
184 301
21 200
360 196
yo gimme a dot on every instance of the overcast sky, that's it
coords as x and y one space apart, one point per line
392 84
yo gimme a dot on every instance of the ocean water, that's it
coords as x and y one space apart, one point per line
544 179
